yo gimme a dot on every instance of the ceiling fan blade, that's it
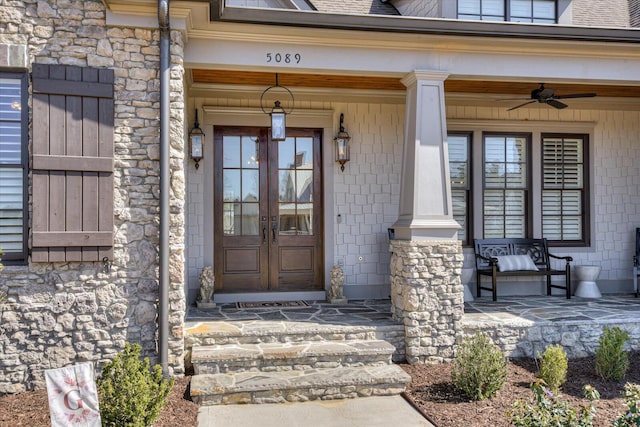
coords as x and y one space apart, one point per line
556 104
522 105
576 95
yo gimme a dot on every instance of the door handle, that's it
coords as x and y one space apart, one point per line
273 232
264 232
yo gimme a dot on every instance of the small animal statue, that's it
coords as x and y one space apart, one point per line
337 283
207 281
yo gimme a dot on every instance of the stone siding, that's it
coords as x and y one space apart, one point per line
64 313
427 297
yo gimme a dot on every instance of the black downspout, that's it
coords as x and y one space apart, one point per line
163 305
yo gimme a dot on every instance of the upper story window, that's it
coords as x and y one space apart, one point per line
539 11
13 166
271 4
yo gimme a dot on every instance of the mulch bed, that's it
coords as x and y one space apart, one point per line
32 408
431 391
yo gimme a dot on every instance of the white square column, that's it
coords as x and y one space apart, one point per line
425 190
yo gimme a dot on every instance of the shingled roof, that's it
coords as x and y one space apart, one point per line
359 7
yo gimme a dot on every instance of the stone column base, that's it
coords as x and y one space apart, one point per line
427 296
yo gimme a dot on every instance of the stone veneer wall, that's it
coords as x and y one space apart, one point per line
577 338
64 313
427 297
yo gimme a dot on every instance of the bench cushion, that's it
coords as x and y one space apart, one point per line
515 263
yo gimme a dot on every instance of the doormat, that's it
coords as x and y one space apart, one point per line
272 304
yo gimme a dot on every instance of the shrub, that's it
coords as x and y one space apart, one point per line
632 398
479 368
553 367
612 361
549 410
131 392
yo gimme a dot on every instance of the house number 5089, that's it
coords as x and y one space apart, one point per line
287 58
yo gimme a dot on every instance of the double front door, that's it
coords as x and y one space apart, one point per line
268 210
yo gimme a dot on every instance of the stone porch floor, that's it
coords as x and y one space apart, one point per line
516 310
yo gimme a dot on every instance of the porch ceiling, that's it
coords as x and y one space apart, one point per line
253 78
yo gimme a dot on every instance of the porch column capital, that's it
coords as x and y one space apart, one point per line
425 189
413 77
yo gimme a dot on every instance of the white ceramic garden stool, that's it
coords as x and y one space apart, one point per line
587 276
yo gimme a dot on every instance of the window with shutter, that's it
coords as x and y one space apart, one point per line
460 173
13 166
563 188
72 163
506 186
560 214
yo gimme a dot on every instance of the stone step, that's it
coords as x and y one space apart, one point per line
204 333
299 385
266 357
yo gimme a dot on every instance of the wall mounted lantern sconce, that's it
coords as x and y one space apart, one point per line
196 142
278 113
342 145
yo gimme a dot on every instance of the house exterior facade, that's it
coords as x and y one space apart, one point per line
107 221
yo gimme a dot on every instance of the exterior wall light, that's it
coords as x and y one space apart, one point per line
196 142
277 113
342 145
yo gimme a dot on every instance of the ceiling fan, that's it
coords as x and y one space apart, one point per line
547 96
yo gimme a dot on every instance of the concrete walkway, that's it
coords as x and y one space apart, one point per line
362 412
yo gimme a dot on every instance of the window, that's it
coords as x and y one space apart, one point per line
532 184
460 172
564 188
505 186
540 11
13 166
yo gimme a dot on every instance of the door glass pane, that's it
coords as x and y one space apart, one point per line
305 219
250 153
288 221
286 186
231 185
250 185
304 153
304 185
250 219
231 151
286 154
230 214
296 219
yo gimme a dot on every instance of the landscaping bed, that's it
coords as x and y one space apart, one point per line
431 391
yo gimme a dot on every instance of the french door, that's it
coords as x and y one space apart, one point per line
268 210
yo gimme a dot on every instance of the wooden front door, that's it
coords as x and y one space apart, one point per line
268 211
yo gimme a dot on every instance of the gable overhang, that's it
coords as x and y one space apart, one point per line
416 25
